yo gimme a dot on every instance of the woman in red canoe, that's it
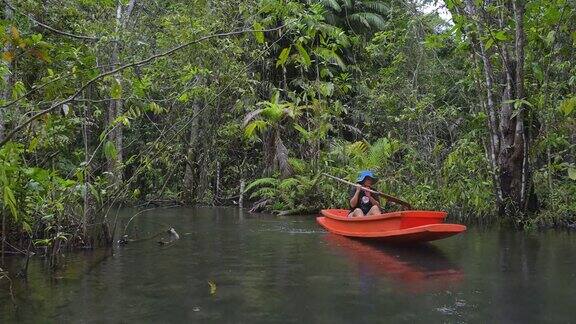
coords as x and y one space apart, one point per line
364 203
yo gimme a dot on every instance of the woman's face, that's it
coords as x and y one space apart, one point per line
368 182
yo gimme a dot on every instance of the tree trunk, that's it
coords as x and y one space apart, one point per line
509 136
115 136
188 192
241 196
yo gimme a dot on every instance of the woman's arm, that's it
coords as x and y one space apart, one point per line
373 200
354 199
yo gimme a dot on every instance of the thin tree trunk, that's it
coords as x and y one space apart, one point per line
7 78
241 198
188 192
521 128
3 233
89 210
115 106
217 189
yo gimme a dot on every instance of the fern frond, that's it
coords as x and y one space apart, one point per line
262 182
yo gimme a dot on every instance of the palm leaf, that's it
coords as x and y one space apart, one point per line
369 20
375 7
331 4
330 56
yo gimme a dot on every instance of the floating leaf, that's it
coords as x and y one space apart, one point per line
212 286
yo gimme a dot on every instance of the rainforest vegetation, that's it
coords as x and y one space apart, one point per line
111 103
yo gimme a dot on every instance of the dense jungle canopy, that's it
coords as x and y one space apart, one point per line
108 103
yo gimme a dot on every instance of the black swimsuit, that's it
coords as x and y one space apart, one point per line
364 202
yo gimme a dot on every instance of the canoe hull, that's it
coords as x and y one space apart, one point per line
410 226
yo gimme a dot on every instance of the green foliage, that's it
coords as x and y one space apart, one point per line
344 86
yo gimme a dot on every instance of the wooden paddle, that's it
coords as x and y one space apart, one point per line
390 198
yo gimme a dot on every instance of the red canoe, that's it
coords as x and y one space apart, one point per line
407 226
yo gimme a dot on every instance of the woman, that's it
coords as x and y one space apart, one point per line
364 203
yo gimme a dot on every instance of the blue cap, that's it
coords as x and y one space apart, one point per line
364 174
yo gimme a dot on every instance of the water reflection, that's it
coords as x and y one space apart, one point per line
413 269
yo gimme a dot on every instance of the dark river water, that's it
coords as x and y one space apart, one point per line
234 267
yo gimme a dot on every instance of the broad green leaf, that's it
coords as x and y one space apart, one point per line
283 56
258 34
489 43
330 56
304 57
501 36
18 90
110 150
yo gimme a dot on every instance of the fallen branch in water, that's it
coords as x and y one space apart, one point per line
173 237
140 213
4 275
